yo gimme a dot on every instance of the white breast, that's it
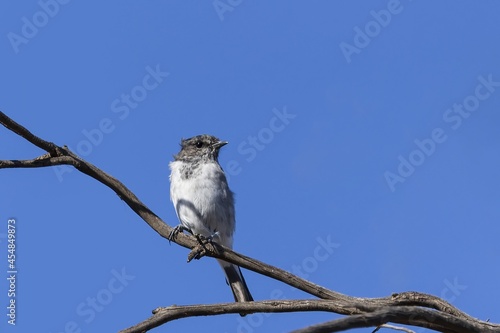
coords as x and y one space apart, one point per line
203 201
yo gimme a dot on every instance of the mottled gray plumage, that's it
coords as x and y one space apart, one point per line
203 201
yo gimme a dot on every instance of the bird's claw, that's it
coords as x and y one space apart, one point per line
175 231
204 240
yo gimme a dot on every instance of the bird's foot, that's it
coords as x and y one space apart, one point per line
200 250
200 238
175 231
204 240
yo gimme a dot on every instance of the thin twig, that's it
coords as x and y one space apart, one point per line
392 327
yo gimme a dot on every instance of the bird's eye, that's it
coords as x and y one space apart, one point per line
199 144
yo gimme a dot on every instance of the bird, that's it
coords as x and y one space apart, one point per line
203 202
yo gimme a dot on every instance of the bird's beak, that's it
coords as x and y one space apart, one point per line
219 144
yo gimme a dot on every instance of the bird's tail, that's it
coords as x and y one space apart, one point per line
235 280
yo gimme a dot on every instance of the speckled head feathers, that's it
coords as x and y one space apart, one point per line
200 147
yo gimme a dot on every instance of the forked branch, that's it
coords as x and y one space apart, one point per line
412 308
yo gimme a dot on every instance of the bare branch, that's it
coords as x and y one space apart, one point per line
22 131
408 315
167 314
62 155
411 308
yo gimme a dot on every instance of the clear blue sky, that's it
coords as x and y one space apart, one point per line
371 126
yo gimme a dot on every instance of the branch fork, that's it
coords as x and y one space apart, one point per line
407 308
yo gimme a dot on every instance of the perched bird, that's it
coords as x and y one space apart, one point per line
204 203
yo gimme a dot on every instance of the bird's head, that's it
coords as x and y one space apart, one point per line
200 147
